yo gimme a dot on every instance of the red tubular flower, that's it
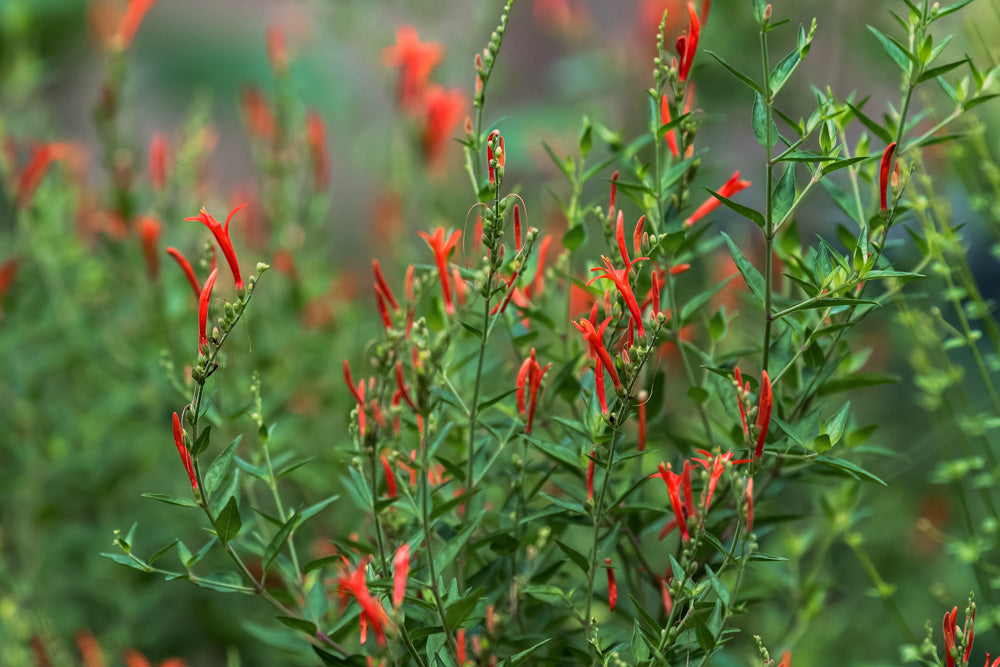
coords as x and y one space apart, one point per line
355 584
184 452
668 602
729 188
400 570
259 118
460 641
620 278
612 586
748 494
318 153
689 44
670 138
493 162
763 413
404 392
593 337
158 159
949 637
277 54
390 477
441 249
637 236
415 61
517 228
381 283
460 285
149 234
883 176
186 268
221 234
738 378
383 311
674 483
529 377
538 284
677 269
443 109
203 300
590 478
130 22
33 173
786 659
8 271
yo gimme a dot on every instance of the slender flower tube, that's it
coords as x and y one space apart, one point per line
355 584
529 377
674 482
185 453
949 637
390 477
594 338
203 301
763 413
613 197
401 386
441 249
738 378
149 235
186 268
883 176
130 22
670 138
221 234
400 571
729 188
688 45
460 641
643 398
612 586
620 278
318 153
517 228
158 149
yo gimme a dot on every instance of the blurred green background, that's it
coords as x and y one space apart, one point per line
85 401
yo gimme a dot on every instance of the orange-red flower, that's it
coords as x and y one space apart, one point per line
443 110
355 584
221 234
400 570
441 249
149 234
390 477
679 490
687 45
670 137
415 61
184 452
318 153
186 268
159 160
883 176
130 22
729 188
763 413
529 377
594 337
203 300
612 586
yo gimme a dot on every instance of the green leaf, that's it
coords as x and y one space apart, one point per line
855 381
162 552
220 465
518 658
298 624
738 74
578 558
783 70
873 127
750 214
565 164
759 120
751 276
320 562
834 428
278 541
899 54
846 162
848 468
950 9
460 609
976 101
941 69
784 194
127 560
496 399
228 523
222 582
171 500
202 442
575 237
691 307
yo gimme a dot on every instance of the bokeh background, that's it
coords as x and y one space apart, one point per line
85 397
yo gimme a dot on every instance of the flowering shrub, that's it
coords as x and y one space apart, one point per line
588 440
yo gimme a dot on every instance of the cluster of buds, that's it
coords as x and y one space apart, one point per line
762 411
495 158
484 62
